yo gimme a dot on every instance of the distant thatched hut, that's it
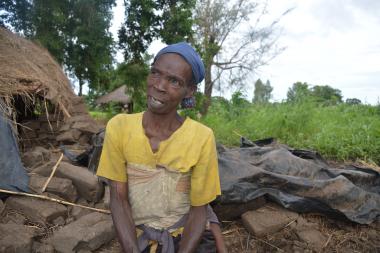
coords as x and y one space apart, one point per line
37 95
118 96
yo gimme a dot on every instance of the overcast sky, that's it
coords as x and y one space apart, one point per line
328 42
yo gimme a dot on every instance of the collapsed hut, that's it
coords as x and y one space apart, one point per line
38 98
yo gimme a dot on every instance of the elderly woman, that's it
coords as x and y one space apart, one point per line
163 168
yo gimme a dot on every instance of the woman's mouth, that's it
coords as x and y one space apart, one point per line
156 101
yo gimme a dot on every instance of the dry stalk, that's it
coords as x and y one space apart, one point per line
52 173
268 243
229 231
47 115
248 237
63 108
327 242
55 200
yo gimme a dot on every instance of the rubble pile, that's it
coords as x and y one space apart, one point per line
29 224
52 130
272 228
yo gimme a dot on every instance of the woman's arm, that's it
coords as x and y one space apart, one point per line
194 228
122 217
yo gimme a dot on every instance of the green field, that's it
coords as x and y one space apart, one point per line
341 132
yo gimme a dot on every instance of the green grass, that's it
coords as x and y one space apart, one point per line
102 116
341 132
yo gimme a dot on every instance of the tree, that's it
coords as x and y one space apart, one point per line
232 44
299 92
262 92
326 94
146 20
322 94
90 44
353 101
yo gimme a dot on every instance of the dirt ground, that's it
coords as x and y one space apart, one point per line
342 236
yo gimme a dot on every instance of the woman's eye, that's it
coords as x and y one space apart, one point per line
174 82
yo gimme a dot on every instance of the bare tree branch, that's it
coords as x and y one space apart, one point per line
233 41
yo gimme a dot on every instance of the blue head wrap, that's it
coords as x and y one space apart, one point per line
190 55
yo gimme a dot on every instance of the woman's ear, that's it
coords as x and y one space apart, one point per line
191 89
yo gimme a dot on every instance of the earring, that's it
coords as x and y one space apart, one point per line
188 103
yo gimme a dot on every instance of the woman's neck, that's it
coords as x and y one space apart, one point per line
162 125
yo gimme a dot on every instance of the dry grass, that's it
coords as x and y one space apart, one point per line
341 237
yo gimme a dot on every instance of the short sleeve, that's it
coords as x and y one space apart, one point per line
205 182
112 162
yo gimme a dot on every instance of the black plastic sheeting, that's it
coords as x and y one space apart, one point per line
299 180
89 158
13 176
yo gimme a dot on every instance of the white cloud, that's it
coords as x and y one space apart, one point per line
328 42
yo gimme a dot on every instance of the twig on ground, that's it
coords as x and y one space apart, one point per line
52 173
55 200
229 231
268 243
327 242
290 223
248 237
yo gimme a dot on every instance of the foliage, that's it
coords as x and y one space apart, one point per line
230 45
194 112
147 20
341 132
262 92
326 95
298 92
353 101
176 20
75 32
133 75
89 49
322 94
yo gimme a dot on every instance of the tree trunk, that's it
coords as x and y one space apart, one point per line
208 90
80 87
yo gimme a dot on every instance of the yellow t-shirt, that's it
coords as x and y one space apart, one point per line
191 148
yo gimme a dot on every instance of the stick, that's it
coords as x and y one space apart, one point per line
63 108
327 242
47 116
290 223
55 200
268 243
52 173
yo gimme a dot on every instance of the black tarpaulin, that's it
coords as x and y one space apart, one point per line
299 180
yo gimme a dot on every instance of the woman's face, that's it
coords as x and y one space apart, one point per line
169 81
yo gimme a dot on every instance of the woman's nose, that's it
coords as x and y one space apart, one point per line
160 84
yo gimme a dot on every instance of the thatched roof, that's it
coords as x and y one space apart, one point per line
28 69
118 95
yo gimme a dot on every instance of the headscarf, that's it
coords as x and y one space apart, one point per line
189 54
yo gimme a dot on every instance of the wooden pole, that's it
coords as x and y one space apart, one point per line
52 173
55 200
